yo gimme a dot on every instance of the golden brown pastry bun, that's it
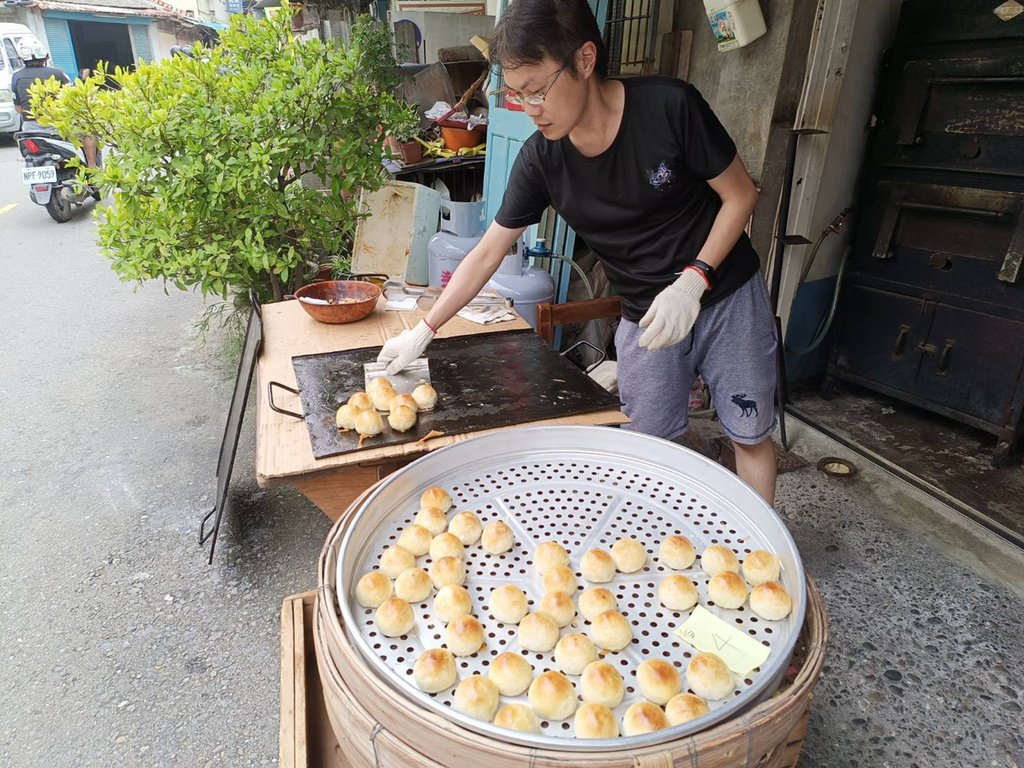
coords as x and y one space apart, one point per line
373 589
446 545
595 601
346 416
595 721
643 717
760 567
677 553
727 590
404 400
538 632
677 593
517 717
597 566
448 570
425 396
381 392
402 419
709 677
508 604
361 400
396 559
560 578
477 697
511 672
658 680
416 539
433 519
552 696
368 424
436 497
770 601
717 559
452 600
497 537
611 631
558 605
574 652
549 554
601 683
685 707
413 585
464 635
466 526
394 617
435 670
630 555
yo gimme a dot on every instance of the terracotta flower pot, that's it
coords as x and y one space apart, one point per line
410 151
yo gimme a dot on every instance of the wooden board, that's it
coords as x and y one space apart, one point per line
283 451
307 739
403 218
676 50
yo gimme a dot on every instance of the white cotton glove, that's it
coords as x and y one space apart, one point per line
673 311
407 346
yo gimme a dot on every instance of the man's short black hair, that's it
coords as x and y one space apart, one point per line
529 30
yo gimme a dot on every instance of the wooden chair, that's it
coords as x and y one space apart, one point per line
551 315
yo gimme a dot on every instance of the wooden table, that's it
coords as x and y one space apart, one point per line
283 451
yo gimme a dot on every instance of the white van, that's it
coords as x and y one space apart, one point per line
10 34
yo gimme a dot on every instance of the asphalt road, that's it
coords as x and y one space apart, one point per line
120 646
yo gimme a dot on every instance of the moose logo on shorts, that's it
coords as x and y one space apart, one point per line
747 407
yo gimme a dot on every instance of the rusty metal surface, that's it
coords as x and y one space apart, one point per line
483 382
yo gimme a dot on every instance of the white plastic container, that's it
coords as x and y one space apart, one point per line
735 23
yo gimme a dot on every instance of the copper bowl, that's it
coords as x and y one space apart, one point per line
348 300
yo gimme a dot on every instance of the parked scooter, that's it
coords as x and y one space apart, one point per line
53 181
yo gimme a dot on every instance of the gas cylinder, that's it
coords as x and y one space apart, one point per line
462 227
526 285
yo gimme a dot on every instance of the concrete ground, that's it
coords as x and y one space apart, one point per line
122 647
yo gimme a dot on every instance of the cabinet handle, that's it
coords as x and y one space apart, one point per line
944 356
901 341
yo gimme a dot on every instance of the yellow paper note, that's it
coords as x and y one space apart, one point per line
706 632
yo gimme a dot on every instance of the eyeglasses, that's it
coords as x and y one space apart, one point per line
534 99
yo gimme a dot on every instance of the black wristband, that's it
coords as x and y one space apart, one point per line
707 269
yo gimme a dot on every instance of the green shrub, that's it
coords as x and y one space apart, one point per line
239 166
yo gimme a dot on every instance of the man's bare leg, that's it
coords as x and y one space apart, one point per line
89 148
756 465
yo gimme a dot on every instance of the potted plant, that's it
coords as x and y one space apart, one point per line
238 166
401 140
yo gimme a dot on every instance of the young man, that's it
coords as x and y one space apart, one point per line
32 52
645 173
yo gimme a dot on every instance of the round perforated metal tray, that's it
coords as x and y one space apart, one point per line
583 487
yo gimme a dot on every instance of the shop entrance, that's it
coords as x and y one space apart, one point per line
99 41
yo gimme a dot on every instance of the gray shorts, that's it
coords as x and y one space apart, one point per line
732 345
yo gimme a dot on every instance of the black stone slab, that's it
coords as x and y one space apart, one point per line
483 382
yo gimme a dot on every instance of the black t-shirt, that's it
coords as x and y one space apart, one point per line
25 78
644 204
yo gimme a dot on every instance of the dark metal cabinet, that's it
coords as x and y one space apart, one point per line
932 309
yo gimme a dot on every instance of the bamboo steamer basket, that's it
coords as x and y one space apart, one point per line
379 728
